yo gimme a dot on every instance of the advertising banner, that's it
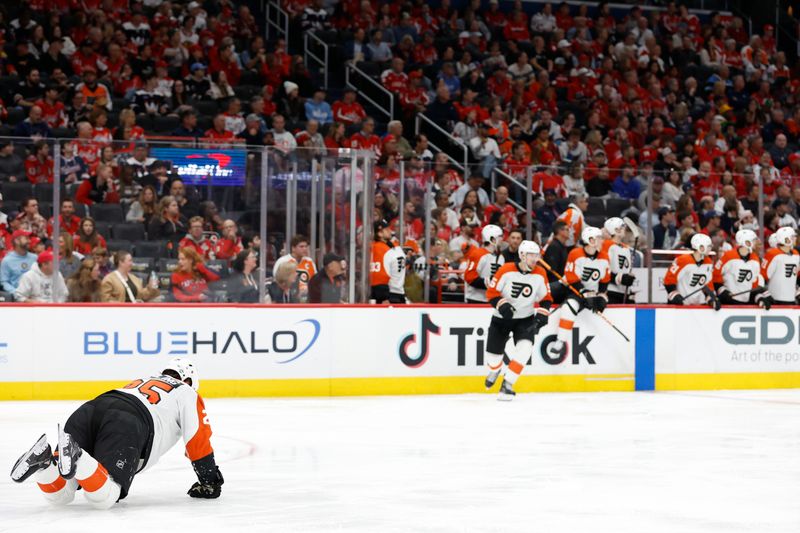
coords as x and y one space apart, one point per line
220 168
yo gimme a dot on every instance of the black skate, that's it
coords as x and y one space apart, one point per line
492 378
68 454
506 392
37 458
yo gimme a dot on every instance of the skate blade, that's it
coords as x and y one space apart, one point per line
22 466
505 397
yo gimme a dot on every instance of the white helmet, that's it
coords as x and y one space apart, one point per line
614 225
784 236
528 247
746 238
185 370
772 240
492 234
591 236
701 243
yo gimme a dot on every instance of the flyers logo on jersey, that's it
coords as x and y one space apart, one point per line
697 279
590 274
495 266
623 262
518 288
744 275
791 271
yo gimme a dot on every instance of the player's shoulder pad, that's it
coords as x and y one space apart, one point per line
539 270
505 268
576 253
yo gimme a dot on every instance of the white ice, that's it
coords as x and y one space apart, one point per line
718 462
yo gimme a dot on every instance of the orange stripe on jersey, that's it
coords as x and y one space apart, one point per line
55 486
515 366
200 444
772 253
94 482
730 255
491 290
671 277
378 274
473 257
565 324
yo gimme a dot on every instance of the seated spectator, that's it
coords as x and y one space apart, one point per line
625 186
40 283
29 90
254 132
485 150
190 280
318 109
33 127
83 284
242 285
474 183
69 261
665 234
143 209
217 133
16 262
98 189
502 205
379 51
168 224
188 127
283 289
292 105
73 168
96 94
548 213
220 88
234 121
87 238
123 286
30 219
326 286
347 110
127 130
12 166
196 240
100 256
39 165
197 84
366 138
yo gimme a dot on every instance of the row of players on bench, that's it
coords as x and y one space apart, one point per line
601 269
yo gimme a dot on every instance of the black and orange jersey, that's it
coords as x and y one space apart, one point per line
481 266
523 290
686 275
388 267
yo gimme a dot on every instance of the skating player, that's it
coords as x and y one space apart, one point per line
588 272
779 267
388 267
690 272
737 274
620 260
514 291
110 439
482 264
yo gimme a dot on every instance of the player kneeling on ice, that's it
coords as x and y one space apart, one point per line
588 273
737 274
779 267
513 292
110 439
689 280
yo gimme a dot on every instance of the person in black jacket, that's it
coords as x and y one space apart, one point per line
556 256
169 224
326 286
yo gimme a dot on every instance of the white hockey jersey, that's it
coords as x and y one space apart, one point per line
619 261
177 411
522 290
481 264
779 269
587 271
737 274
686 276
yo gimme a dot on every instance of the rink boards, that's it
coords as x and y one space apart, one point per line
73 352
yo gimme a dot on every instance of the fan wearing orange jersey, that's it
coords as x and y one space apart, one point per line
387 268
690 272
110 439
520 295
588 272
779 267
482 263
306 269
737 274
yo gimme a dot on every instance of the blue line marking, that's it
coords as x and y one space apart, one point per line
645 349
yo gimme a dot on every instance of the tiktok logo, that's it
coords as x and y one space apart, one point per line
427 327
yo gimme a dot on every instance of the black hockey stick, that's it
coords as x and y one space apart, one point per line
636 234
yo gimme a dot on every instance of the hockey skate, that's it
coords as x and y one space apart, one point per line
68 454
557 349
37 458
506 393
492 378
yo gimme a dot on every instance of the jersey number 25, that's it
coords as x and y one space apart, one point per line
150 389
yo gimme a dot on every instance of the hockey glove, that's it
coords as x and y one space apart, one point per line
713 300
506 310
626 280
208 491
210 480
675 298
765 300
596 303
540 321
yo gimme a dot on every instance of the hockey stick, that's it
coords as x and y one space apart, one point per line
636 234
579 295
731 295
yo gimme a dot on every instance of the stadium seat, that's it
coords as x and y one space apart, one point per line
44 192
143 265
63 133
132 231
107 212
165 124
15 115
597 206
208 108
16 192
615 206
115 245
103 228
156 249
167 264
219 267
46 209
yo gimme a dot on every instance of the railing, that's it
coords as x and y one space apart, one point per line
455 143
309 54
277 19
386 109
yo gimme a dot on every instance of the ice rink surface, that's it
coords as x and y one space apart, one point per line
710 462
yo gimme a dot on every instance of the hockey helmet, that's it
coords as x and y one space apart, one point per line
784 236
528 248
492 234
614 226
746 238
701 243
185 370
592 236
772 240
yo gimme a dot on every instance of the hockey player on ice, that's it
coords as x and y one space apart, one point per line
779 267
737 274
110 439
690 272
514 291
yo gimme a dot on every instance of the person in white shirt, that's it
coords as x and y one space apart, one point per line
474 183
485 149
284 141
544 21
39 285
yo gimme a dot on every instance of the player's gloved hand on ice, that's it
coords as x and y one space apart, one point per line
626 280
506 310
540 321
209 479
675 298
713 300
207 491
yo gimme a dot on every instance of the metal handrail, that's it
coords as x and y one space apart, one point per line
323 62
516 183
270 23
388 112
464 165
